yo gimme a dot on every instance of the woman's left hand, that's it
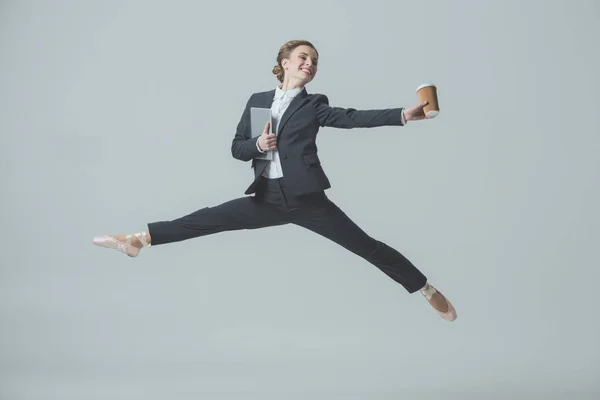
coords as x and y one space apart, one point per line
415 113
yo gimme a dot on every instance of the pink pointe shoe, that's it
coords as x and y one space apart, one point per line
428 291
125 247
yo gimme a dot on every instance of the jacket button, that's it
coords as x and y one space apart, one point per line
285 156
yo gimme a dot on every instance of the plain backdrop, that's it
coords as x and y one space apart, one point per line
117 113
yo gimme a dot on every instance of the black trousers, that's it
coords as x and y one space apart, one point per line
271 206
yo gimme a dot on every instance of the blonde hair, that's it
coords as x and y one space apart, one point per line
285 51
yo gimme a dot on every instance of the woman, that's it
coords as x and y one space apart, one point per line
290 188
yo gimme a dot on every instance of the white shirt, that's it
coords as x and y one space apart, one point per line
281 101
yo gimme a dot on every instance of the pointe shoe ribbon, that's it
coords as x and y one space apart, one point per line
125 247
428 291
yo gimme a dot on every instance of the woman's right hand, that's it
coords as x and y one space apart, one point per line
267 141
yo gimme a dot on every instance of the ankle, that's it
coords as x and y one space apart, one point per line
142 239
428 290
136 242
138 239
425 287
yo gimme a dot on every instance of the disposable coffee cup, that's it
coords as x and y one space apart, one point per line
428 92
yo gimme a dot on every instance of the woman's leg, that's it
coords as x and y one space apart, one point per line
328 220
237 214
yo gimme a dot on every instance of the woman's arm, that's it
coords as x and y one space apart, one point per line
349 118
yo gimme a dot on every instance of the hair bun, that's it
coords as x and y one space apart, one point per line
278 72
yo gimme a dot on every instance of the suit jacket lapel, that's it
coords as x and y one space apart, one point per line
292 108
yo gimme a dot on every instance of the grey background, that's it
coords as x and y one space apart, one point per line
114 114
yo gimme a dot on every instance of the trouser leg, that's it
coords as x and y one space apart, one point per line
325 218
237 214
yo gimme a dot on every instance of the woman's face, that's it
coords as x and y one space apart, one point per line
301 66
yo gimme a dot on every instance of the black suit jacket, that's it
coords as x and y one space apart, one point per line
296 141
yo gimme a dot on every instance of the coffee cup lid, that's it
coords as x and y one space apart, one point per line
425 85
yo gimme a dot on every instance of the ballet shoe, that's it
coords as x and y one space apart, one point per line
428 291
125 247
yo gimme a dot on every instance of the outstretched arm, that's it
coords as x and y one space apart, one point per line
349 118
244 147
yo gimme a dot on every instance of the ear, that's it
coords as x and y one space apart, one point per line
284 63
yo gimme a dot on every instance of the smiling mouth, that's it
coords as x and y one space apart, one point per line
306 71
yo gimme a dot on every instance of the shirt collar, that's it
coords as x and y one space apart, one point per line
279 94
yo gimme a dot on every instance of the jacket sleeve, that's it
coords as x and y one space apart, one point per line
348 118
243 146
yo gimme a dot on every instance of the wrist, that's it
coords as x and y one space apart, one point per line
258 146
